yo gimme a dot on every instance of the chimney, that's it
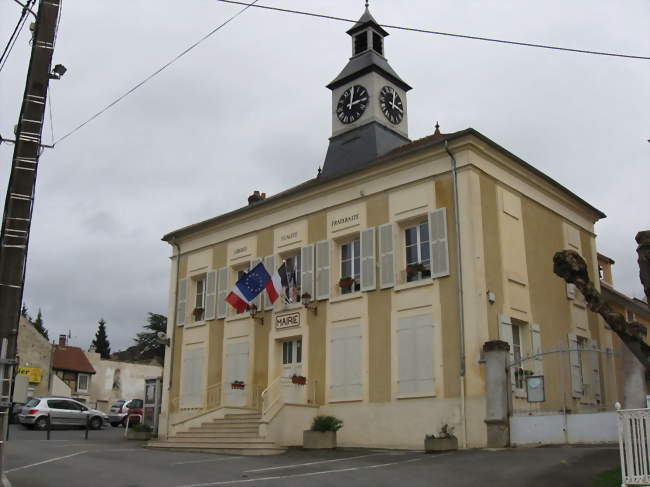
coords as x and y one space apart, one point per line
62 340
255 197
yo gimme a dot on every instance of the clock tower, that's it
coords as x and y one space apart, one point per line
369 110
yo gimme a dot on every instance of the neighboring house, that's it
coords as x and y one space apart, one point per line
73 368
118 380
403 259
34 357
632 377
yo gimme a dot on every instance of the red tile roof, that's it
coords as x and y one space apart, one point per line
71 358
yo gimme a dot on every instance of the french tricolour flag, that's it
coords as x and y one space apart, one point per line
251 285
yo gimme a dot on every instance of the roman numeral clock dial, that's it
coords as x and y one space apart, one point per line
352 104
391 105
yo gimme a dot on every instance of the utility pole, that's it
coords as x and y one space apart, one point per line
19 202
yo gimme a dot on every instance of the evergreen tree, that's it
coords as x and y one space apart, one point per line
38 324
101 343
25 312
147 341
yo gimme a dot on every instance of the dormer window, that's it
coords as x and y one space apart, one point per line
360 43
378 43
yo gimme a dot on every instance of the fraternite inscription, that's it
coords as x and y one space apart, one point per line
287 321
347 219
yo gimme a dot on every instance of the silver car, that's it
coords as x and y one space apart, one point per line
61 411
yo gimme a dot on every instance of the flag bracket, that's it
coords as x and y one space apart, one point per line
256 314
308 304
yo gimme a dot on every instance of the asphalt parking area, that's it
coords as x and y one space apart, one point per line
109 460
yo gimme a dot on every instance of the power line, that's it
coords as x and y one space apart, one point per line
120 98
448 34
14 35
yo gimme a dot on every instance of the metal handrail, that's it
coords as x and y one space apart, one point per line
214 392
128 419
271 387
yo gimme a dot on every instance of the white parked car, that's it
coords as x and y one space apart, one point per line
61 411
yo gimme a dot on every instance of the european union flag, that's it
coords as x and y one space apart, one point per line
253 283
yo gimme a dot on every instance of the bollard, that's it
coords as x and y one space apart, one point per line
87 425
49 426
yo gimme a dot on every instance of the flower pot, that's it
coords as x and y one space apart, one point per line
138 435
238 386
318 440
435 445
299 380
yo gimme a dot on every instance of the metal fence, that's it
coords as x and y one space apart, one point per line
634 445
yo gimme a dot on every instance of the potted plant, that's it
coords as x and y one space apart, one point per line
197 313
237 384
139 431
415 268
322 434
346 283
298 379
443 441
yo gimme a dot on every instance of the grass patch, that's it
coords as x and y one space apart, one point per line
609 478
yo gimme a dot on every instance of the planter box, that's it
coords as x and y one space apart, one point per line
138 435
319 440
433 445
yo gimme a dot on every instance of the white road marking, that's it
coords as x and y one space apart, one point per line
71 444
310 463
219 459
46 461
311 474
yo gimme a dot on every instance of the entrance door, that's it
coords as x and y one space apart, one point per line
292 365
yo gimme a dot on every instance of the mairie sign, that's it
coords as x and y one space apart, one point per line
33 374
287 321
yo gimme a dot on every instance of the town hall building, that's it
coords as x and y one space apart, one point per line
405 257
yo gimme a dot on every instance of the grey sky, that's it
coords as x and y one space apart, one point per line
248 109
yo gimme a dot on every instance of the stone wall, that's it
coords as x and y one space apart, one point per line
34 350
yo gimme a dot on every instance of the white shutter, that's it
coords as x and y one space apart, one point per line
258 300
415 365
576 372
345 363
386 256
211 296
570 290
505 334
438 242
307 271
192 386
181 306
269 265
595 358
536 347
323 270
222 292
368 280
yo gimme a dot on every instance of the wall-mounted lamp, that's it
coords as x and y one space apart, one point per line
491 297
308 303
58 71
163 339
254 312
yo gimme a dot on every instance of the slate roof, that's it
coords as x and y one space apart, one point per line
367 62
425 142
72 359
365 20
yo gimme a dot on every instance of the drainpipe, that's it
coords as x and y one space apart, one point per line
461 307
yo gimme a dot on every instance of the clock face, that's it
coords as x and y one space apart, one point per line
391 105
352 104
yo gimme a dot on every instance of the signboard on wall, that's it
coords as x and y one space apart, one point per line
287 320
33 374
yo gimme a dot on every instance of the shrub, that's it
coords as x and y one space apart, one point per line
326 423
142 428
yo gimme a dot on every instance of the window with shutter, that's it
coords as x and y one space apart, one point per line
181 307
269 265
368 280
222 292
307 258
386 256
323 270
350 267
211 296
345 363
595 358
576 366
417 250
439 245
415 348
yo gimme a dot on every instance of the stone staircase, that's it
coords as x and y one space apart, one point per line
236 434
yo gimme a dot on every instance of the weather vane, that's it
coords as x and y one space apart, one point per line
367 3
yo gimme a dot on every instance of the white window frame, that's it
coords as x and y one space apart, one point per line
356 273
200 288
87 378
417 226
